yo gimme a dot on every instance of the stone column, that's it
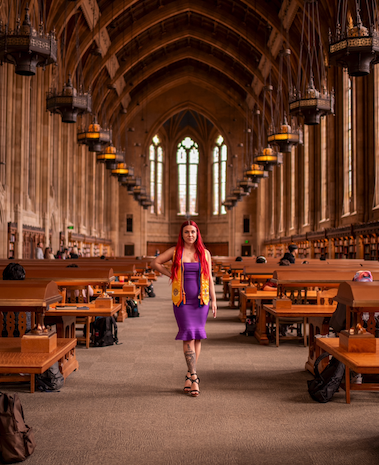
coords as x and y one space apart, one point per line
19 220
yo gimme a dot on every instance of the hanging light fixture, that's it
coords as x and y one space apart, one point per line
69 103
146 203
247 185
112 164
355 46
124 178
94 136
256 172
109 153
281 134
138 191
267 157
121 170
305 99
27 48
131 182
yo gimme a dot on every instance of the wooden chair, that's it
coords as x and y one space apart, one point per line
298 296
326 297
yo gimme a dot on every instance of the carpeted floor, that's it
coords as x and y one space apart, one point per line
125 404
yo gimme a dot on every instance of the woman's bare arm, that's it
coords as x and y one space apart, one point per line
212 292
157 263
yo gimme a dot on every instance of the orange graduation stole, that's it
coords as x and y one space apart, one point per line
178 293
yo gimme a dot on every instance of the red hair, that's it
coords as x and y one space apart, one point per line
200 251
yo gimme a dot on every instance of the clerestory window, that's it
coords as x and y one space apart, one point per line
187 159
156 175
220 157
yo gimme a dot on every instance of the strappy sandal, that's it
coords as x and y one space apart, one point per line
195 392
187 389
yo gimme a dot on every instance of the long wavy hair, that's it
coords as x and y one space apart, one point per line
200 251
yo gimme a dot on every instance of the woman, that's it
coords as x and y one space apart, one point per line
192 285
47 254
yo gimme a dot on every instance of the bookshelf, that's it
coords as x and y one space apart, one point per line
86 250
270 251
12 237
96 250
304 249
373 248
321 249
345 247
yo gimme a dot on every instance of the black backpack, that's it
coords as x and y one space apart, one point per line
251 326
132 308
16 438
323 387
150 290
104 331
51 379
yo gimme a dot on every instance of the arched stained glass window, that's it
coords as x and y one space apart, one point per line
220 156
187 158
156 175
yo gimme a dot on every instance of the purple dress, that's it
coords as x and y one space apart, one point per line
191 317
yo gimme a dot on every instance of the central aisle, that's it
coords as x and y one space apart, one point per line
125 405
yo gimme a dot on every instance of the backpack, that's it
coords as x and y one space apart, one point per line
104 331
150 290
323 387
16 438
51 379
132 308
251 326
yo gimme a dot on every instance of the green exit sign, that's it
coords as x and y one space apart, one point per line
70 227
246 241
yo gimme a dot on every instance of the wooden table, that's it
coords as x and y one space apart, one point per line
298 311
249 297
88 314
359 362
260 332
14 362
118 287
123 296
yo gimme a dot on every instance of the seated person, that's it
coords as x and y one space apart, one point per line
261 259
269 285
74 253
238 259
291 254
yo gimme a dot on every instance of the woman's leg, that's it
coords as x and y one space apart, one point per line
191 351
190 355
197 348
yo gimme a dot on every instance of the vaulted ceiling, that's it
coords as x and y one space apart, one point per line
127 51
